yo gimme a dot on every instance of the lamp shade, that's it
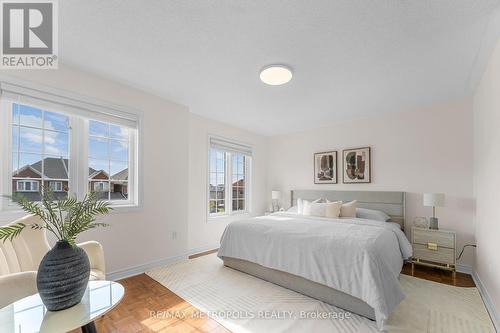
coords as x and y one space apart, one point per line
434 199
276 195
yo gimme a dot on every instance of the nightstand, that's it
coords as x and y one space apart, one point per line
434 248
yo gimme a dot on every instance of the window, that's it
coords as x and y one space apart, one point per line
27 186
217 202
56 186
99 186
40 149
238 167
108 160
228 186
69 149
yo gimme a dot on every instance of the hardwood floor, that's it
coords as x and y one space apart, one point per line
149 307
146 301
439 275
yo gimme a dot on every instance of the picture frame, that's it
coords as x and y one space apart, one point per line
356 165
325 167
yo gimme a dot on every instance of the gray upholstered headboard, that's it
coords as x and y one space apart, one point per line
392 203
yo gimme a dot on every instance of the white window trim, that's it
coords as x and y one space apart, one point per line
24 181
103 183
56 183
132 177
78 143
228 187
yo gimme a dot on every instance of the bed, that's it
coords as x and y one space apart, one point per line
353 264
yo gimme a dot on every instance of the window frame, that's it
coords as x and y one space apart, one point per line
132 166
228 189
77 155
24 182
56 182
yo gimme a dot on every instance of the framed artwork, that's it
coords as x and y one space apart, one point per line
356 165
325 168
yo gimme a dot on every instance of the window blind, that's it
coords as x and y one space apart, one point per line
68 104
230 146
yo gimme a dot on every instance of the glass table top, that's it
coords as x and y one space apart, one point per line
29 315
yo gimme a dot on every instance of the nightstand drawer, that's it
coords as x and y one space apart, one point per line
442 255
425 236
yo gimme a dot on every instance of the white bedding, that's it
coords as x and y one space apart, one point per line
360 257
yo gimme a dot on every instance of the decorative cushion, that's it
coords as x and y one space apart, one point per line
349 209
332 209
307 207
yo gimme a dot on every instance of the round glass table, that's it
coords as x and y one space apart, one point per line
29 315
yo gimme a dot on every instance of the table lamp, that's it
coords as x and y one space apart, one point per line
433 200
276 196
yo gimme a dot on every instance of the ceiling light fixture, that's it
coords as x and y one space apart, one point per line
276 75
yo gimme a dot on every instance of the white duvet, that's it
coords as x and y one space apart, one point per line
360 257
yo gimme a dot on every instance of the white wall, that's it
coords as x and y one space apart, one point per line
175 162
205 233
137 238
487 179
422 151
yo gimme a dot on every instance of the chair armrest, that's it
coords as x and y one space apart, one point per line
96 255
15 286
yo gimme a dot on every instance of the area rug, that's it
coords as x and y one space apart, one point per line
245 304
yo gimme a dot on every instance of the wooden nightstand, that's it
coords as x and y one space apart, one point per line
434 248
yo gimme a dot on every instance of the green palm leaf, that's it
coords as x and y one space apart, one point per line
65 218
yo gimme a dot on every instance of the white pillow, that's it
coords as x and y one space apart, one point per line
293 210
318 209
300 206
348 209
307 207
332 209
372 214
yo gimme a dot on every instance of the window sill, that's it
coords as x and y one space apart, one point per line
233 216
10 215
126 208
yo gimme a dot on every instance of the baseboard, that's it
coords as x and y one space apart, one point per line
495 317
464 269
203 249
136 270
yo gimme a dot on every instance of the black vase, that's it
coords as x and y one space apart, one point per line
63 276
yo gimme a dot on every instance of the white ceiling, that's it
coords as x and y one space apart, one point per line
351 58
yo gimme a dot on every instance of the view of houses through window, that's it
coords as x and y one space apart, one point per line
40 151
217 202
41 157
108 160
238 182
227 182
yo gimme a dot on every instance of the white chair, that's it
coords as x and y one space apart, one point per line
19 261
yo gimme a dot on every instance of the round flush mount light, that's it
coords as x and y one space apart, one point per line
276 75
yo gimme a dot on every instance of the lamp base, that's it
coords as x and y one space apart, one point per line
433 223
